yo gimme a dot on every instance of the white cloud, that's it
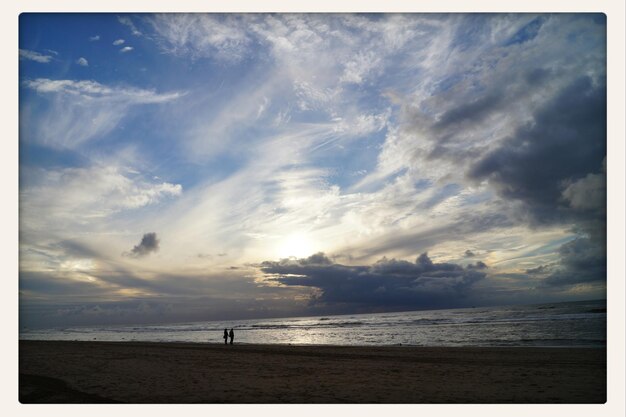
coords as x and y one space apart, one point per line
118 42
82 62
94 38
126 49
34 56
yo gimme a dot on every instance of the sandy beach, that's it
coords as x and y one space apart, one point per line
138 372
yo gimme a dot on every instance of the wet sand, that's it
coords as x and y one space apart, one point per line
140 372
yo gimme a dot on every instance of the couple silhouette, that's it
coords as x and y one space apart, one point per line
228 334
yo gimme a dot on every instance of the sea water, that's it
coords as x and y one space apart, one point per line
581 323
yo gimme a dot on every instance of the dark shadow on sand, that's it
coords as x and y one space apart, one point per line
36 389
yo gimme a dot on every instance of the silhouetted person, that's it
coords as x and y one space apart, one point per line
232 336
226 336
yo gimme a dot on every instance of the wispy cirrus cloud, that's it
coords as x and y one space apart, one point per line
72 197
127 21
35 56
202 35
78 111
96 90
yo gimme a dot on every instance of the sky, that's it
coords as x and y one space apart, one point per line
187 167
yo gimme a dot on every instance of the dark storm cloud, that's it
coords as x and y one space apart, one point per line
469 254
538 270
566 142
316 259
389 283
149 243
477 265
469 112
582 260
555 168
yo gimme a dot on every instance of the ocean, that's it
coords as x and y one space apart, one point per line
580 324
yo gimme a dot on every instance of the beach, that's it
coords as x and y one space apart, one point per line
141 372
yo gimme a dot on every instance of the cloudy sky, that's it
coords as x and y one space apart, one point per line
194 167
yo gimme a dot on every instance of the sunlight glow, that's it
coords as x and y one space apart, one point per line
296 245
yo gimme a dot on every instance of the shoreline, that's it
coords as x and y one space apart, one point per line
398 345
186 372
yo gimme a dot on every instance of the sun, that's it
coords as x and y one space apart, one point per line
296 245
